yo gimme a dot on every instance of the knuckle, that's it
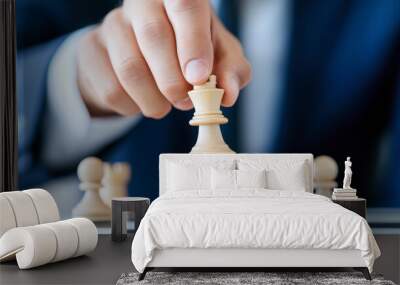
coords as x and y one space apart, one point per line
88 41
179 6
112 95
157 113
112 17
152 31
173 91
131 70
111 22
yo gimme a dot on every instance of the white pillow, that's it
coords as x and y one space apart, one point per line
281 174
223 179
291 179
193 175
188 177
227 179
251 178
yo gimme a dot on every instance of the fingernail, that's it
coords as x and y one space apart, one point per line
184 104
196 70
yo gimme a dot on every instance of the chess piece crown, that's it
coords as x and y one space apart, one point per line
206 100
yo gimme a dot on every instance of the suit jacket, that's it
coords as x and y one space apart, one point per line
341 95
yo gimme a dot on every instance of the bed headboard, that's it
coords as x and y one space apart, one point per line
168 157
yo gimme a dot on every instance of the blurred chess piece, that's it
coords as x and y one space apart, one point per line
90 173
325 174
206 100
115 181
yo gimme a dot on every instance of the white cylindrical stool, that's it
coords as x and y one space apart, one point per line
46 207
23 208
7 218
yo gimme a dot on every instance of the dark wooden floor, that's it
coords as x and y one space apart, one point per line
110 260
102 266
389 262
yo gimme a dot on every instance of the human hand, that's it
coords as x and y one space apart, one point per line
146 54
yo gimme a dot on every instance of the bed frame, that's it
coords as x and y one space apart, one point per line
236 259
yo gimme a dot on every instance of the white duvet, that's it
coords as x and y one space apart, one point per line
250 219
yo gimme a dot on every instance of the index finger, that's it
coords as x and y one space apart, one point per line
191 21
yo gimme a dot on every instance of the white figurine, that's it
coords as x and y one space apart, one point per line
347 174
346 193
115 181
90 173
206 100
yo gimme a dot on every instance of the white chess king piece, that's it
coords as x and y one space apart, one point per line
115 181
90 173
347 174
206 100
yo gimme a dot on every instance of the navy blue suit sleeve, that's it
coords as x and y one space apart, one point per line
41 28
394 160
39 21
32 66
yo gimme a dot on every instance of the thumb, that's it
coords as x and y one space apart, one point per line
191 21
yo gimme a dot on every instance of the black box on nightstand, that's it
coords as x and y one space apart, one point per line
358 205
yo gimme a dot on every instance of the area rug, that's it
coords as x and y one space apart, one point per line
243 278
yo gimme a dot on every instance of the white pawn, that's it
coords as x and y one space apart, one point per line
325 174
90 173
115 181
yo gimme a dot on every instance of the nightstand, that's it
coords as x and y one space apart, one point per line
358 206
120 208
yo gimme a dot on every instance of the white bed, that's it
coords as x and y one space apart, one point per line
249 227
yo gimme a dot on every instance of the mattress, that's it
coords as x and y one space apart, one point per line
251 219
